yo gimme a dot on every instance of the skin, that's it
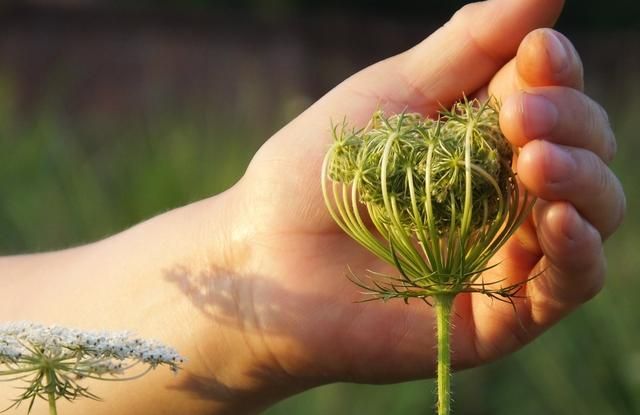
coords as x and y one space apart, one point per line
250 285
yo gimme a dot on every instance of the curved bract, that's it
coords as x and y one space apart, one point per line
434 198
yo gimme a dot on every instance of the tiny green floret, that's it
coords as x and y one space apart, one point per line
442 198
52 360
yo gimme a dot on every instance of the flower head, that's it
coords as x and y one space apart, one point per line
52 358
441 195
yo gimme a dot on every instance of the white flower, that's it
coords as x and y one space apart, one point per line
30 351
23 338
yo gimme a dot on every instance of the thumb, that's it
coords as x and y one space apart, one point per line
460 57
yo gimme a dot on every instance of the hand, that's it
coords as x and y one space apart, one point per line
294 258
250 285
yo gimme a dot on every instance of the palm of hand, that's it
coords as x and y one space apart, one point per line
331 332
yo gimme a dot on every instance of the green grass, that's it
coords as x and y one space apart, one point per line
66 184
63 183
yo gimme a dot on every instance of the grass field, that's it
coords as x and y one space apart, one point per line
63 183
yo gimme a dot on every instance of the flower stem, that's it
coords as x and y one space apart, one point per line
443 315
52 404
51 396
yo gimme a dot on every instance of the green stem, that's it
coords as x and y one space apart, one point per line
443 314
51 396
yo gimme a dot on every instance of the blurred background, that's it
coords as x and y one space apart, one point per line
113 111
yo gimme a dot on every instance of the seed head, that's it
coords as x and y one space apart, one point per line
441 195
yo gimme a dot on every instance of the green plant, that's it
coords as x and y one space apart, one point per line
52 360
441 199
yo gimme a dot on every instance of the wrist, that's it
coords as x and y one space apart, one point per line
209 273
197 254
225 288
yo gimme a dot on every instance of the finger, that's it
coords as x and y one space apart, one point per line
559 65
559 173
572 270
560 115
561 280
545 58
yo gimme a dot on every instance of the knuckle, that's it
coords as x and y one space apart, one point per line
574 74
593 121
620 211
574 279
623 209
578 67
604 177
592 289
589 279
611 146
464 13
603 113
597 173
595 281
593 174
586 239
600 119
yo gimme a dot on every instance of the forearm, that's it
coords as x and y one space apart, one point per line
153 279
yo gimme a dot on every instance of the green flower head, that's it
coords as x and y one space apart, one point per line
441 196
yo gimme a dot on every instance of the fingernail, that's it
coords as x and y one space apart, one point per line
559 164
540 116
558 56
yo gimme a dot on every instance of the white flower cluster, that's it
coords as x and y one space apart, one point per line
86 352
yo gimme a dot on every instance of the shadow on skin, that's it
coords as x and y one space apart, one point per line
217 294
238 301
305 323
